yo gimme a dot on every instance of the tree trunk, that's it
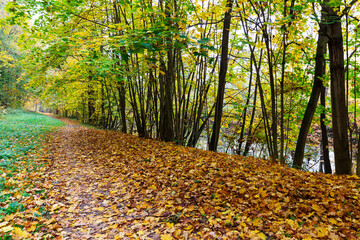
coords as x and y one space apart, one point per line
122 102
274 134
324 136
91 104
244 115
314 97
338 104
358 156
222 79
167 126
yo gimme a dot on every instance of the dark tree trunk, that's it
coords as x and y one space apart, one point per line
120 85
122 102
358 156
314 97
338 105
244 115
91 105
167 125
324 136
249 139
273 136
283 67
222 79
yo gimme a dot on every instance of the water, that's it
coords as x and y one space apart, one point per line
312 160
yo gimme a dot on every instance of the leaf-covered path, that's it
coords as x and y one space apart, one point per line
109 185
85 184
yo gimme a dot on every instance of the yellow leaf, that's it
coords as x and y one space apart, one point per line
161 72
257 235
321 232
131 211
101 209
190 208
114 226
99 236
3 224
256 222
20 233
262 236
166 237
52 220
169 225
262 192
6 229
31 228
9 217
55 207
333 221
316 208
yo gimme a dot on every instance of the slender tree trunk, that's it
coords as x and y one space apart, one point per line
283 68
314 97
122 101
120 85
358 156
91 104
324 136
222 79
274 133
244 115
249 139
356 126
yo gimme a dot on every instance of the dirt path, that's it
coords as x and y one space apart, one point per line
84 183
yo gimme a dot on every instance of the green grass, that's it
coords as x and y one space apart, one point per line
20 133
22 136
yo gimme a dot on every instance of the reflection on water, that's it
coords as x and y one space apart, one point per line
312 160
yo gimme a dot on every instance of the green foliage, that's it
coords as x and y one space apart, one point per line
12 90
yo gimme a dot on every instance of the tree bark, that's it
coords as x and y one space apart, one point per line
315 93
338 104
222 79
283 68
358 157
274 133
167 126
324 136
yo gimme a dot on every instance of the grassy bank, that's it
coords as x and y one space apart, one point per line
22 212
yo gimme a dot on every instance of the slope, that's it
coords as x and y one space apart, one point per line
109 185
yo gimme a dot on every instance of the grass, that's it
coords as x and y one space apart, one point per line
22 135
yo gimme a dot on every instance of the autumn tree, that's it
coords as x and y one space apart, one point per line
222 77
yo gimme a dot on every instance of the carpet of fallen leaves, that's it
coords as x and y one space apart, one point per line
23 213
109 185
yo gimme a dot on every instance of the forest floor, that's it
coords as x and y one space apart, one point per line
108 185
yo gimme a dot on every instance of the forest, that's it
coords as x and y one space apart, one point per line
168 119
272 79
